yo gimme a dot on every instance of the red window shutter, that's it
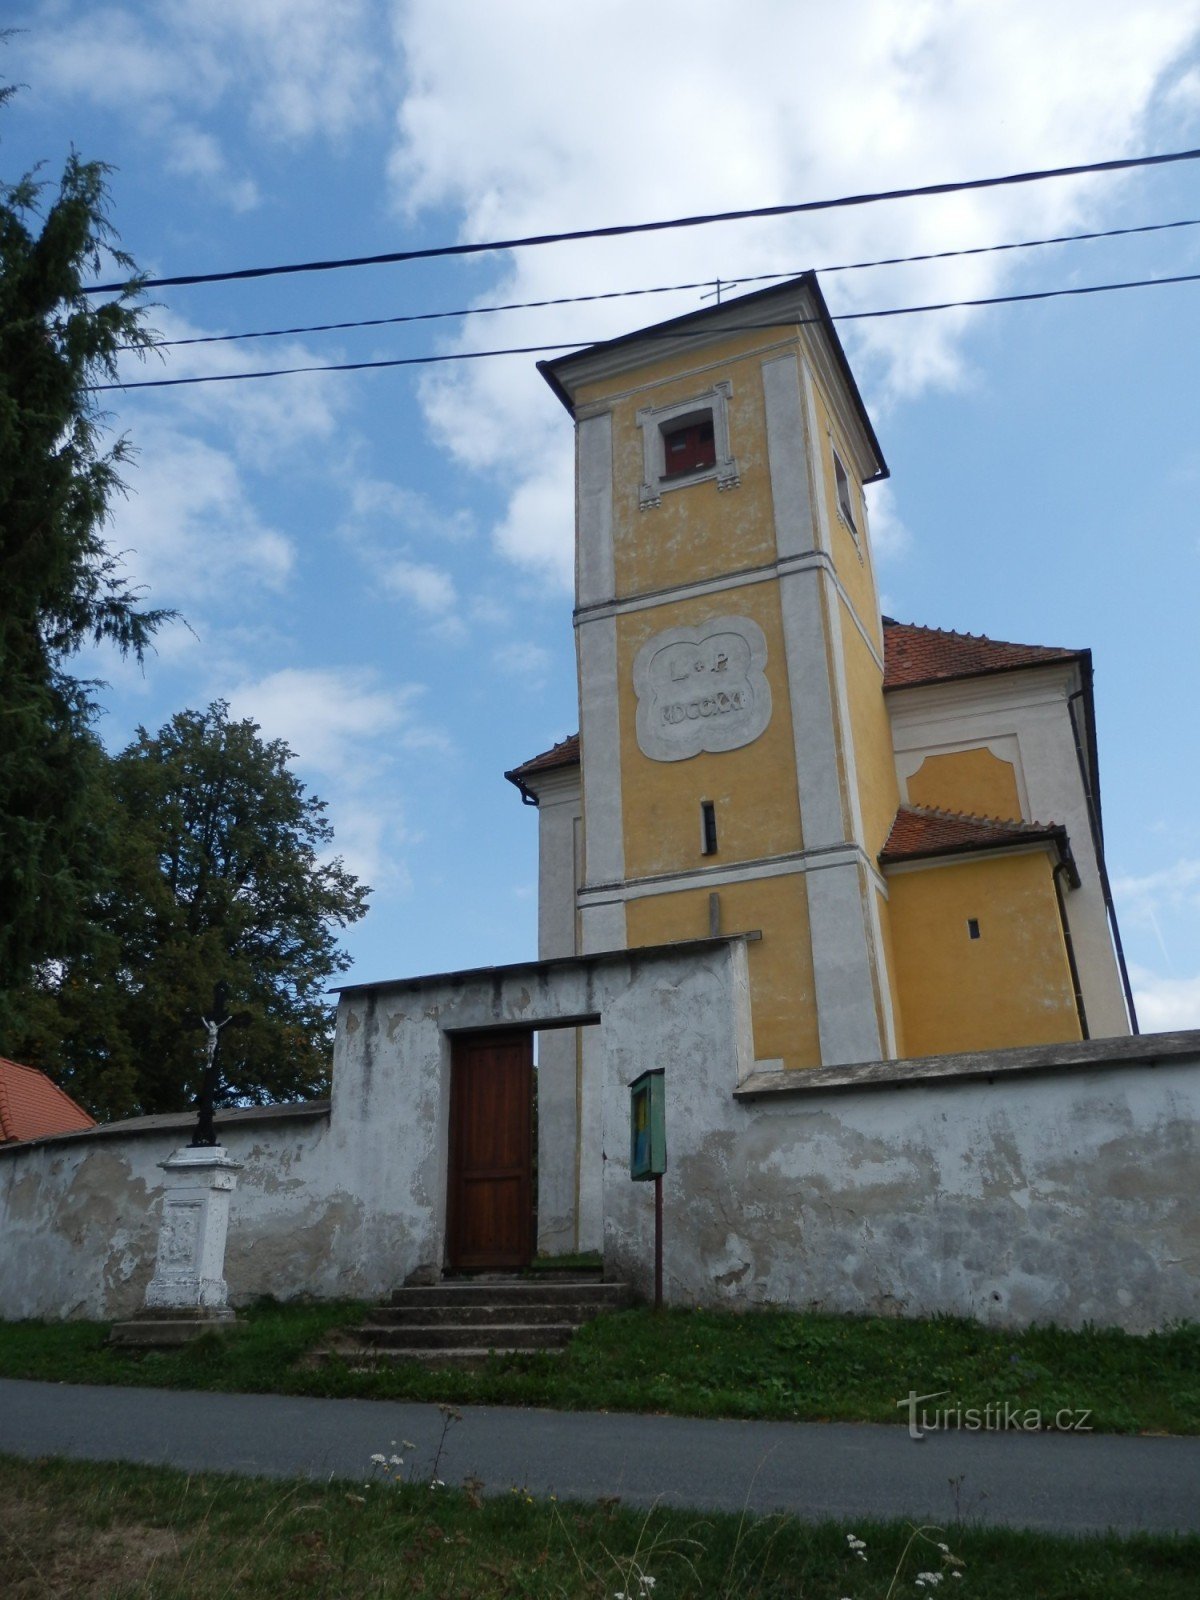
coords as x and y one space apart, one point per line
690 448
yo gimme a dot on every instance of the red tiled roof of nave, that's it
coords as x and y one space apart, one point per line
34 1107
913 654
923 831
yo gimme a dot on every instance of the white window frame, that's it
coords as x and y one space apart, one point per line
657 421
845 506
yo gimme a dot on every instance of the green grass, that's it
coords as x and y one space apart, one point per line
570 1261
768 1364
141 1533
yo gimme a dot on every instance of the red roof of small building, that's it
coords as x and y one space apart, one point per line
563 754
922 831
914 655
34 1107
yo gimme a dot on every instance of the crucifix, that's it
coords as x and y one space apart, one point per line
219 1018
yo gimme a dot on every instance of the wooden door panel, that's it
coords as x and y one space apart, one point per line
490 1202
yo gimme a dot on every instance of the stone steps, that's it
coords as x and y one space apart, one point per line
466 1320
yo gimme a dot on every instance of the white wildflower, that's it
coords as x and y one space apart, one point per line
395 1461
379 1460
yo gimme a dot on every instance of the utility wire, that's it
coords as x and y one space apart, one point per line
526 241
665 288
574 344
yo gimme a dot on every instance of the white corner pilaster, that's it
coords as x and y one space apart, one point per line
818 777
595 570
787 454
843 973
600 738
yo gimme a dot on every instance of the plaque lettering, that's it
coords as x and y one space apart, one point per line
701 689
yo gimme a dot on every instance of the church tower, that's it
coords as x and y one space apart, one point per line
737 768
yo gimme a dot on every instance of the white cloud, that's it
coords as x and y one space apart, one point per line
402 511
538 528
890 537
190 528
1165 1005
1142 898
535 120
429 588
195 154
524 660
330 716
260 421
344 725
298 69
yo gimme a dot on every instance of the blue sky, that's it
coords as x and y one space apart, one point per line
376 566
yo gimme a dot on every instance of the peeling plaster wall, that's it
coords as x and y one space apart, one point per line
79 1219
352 1203
1055 1183
1066 1195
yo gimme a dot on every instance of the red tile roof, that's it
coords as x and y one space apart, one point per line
921 831
564 754
914 655
32 1107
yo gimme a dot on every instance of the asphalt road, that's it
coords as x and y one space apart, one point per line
1057 1482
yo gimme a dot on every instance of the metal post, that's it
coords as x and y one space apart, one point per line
658 1241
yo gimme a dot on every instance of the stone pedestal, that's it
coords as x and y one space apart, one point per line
188 1294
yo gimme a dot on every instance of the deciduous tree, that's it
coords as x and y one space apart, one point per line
218 873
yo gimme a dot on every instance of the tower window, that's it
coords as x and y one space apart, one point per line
845 499
686 443
689 446
972 927
708 828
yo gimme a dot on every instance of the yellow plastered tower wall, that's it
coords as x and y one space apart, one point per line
761 752
908 816
737 763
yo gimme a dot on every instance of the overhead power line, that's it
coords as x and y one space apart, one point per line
527 241
574 344
665 288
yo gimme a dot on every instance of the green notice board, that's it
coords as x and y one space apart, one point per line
647 1126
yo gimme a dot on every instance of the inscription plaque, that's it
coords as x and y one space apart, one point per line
701 688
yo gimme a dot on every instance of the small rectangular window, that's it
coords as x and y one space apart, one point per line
972 928
689 446
844 498
708 828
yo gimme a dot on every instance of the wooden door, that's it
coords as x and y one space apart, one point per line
490 1202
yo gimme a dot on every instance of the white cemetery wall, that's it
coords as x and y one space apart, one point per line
1054 1184
79 1214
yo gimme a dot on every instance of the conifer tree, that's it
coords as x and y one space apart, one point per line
61 586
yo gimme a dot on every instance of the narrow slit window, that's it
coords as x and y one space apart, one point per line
845 499
972 927
708 828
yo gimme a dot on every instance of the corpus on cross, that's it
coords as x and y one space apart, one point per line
218 1019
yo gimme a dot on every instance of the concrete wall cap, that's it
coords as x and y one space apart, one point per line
1144 1050
176 1122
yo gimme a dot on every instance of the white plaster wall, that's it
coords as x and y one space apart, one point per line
1049 1184
1066 1196
559 1127
79 1219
